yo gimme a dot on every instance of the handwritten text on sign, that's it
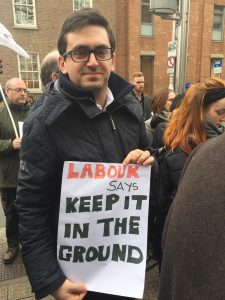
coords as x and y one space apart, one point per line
102 231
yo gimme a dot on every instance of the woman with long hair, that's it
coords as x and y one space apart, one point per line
155 126
199 117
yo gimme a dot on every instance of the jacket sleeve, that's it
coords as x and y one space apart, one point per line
149 131
158 135
6 147
37 204
143 138
175 164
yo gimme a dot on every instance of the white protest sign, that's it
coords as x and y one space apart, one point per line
20 129
102 234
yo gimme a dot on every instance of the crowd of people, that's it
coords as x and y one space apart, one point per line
89 113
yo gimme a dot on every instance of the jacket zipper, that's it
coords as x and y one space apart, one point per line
116 137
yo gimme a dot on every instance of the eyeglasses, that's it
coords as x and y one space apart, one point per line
19 90
83 55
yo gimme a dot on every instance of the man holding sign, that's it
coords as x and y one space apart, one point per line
16 92
89 117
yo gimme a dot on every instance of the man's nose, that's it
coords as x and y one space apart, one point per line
92 60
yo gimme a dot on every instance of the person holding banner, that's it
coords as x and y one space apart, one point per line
16 92
90 116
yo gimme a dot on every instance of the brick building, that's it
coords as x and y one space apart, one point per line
141 38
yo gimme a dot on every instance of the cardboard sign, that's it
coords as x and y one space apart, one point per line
102 234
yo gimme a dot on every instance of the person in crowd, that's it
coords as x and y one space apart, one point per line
193 264
16 92
199 118
49 73
176 102
155 126
186 86
85 119
138 91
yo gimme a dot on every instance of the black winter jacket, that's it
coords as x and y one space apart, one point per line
158 123
69 126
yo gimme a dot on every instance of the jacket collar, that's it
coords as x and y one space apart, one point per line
85 98
118 86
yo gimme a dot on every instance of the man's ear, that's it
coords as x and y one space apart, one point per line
54 76
62 65
6 92
113 61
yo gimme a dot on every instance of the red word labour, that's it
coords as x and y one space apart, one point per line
99 171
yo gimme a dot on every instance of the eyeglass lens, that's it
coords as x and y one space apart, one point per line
84 54
19 90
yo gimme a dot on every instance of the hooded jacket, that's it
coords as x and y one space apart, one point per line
68 127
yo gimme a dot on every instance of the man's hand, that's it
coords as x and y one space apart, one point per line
70 291
139 157
16 143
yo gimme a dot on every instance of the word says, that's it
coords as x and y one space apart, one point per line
95 203
111 226
99 171
115 186
116 252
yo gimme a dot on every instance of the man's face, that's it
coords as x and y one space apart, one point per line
17 92
92 74
139 83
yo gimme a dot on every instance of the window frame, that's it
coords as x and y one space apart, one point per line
20 59
88 5
221 31
147 24
25 25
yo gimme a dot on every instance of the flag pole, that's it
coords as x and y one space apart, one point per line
10 114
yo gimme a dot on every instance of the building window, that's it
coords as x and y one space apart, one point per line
218 21
147 67
79 4
29 71
146 19
24 13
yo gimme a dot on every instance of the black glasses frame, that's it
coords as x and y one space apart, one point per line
89 53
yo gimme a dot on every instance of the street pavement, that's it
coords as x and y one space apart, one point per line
14 284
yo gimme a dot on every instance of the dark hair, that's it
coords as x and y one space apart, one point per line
80 19
176 101
159 100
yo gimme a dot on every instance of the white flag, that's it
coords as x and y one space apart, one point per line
6 39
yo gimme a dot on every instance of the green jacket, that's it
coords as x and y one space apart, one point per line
9 158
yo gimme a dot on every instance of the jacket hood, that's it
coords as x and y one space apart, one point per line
158 118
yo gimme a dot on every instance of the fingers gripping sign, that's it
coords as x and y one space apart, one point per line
139 157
